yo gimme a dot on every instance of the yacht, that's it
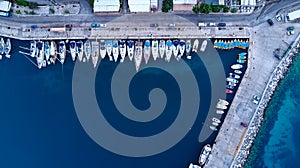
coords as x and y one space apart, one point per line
102 49
236 66
40 54
188 48
138 55
2 46
169 48
237 71
7 48
221 106
53 52
162 48
115 50
213 128
79 50
108 44
195 45
95 53
87 49
215 124
47 51
72 46
147 50
220 111
223 102
232 80
33 48
235 76
193 166
155 49
122 50
203 46
130 49
204 154
62 51
175 48
181 48
216 120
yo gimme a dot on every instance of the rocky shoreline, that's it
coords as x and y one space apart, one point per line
258 116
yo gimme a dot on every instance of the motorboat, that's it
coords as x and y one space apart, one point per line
53 52
215 124
231 84
7 48
130 49
213 128
176 48
147 50
242 56
232 80
108 45
235 76
72 46
162 48
169 48
238 72
62 51
221 106
205 152
181 48
2 46
33 48
195 45
102 49
193 166
47 51
122 46
79 50
241 61
188 48
236 66
95 53
203 46
87 49
223 102
138 55
115 50
154 46
220 111
216 120
229 87
41 54
229 91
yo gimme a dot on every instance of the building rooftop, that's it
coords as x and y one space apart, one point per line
5 6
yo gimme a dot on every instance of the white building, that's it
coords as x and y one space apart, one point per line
293 15
183 5
5 6
106 6
139 5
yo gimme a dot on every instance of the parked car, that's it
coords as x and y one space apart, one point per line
95 25
244 124
290 28
103 25
270 21
154 25
290 32
278 18
172 25
221 24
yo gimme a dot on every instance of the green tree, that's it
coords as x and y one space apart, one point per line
205 8
32 5
196 9
51 10
233 10
167 5
22 2
66 11
225 9
216 8
32 12
26 12
18 12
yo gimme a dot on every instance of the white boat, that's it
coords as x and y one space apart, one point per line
72 46
2 46
222 107
155 49
216 120
232 80
169 48
238 72
181 48
79 50
109 49
47 51
130 49
224 102
87 50
195 45
40 54
53 52
203 46
7 48
188 47
220 111
122 47
115 50
33 48
176 49
62 51
213 128
215 124
193 166
147 50
235 76
236 66
162 48
138 55
205 152
102 49
95 53
231 84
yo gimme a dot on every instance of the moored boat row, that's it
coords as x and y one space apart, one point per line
5 48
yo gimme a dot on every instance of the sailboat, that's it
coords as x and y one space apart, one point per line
122 50
203 46
162 48
40 55
2 46
176 48
72 46
138 55
7 48
147 51
195 46
87 49
102 49
109 49
33 49
95 53
188 47
181 48
47 51
155 49
53 55
62 51
115 50
79 50
169 48
130 49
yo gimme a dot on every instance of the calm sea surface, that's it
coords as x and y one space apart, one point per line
277 144
39 126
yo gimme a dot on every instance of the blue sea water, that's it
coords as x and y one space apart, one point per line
39 126
277 144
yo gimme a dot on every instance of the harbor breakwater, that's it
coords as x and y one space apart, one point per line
258 116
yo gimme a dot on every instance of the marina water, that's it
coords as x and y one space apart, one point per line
39 126
277 143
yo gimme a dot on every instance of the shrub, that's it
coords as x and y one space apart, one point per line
18 12
32 13
26 12
22 2
216 8
51 10
66 11
233 10
32 5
